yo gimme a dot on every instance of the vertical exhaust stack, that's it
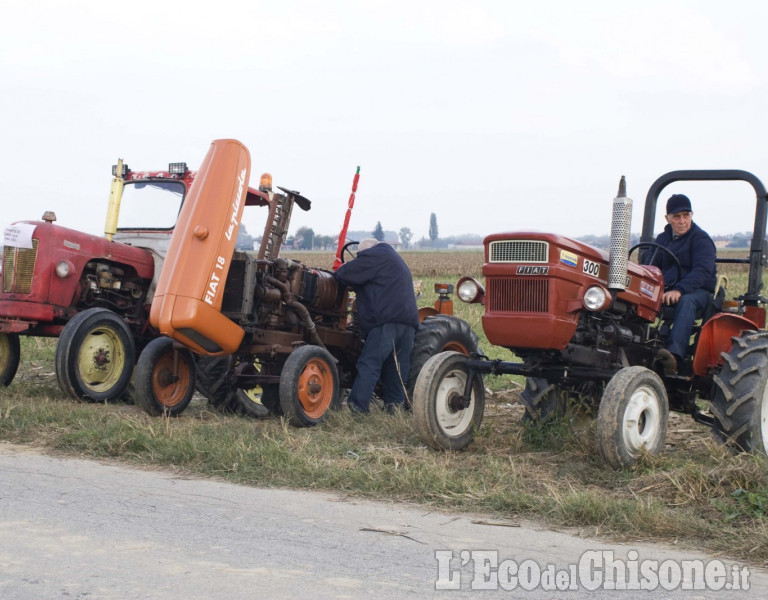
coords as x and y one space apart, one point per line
618 256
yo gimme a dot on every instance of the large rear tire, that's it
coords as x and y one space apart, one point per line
740 402
10 356
165 378
441 420
439 333
543 401
632 416
212 383
95 356
309 386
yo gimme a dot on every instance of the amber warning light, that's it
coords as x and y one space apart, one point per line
265 184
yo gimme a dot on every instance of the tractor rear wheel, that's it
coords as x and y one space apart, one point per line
442 420
257 401
165 378
95 356
740 402
543 401
10 356
439 333
309 386
632 416
210 381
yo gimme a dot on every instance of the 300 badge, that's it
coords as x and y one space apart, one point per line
591 268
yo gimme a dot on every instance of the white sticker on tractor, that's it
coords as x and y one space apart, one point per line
19 235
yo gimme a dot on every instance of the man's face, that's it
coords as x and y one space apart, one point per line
680 222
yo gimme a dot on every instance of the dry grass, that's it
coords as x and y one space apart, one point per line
696 493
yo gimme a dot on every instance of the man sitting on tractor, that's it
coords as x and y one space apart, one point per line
696 278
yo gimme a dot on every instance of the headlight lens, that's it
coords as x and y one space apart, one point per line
594 298
468 290
62 269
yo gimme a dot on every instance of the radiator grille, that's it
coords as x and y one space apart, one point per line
526 251
18 268
518 295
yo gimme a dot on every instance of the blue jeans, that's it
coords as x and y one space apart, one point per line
685 315
386 356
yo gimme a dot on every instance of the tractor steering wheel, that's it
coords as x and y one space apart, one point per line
346 248
675 260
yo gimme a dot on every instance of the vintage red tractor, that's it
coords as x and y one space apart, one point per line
586 323
255 331
92 292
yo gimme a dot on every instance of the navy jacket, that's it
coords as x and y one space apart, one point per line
383 286
696 252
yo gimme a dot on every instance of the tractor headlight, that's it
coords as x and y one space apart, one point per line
595 297
64 268
469 290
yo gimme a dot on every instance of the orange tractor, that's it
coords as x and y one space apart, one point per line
256 330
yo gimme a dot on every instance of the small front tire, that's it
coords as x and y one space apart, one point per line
632 416
443 423
309 386
165 378
95 356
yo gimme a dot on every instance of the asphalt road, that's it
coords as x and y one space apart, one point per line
76 529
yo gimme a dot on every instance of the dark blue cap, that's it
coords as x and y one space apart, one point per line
678 203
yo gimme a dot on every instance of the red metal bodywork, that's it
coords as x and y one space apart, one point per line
51 300
537 304
716 337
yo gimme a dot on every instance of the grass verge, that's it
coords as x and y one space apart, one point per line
697 493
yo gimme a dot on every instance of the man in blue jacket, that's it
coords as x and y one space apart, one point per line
388 317
696 284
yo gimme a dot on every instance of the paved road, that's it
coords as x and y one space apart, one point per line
85 529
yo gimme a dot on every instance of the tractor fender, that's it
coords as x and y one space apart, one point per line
715 338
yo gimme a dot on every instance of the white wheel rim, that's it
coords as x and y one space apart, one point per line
642 420
763 416
453 423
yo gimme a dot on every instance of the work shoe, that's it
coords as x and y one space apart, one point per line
393 408
667 361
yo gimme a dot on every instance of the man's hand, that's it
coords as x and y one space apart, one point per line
671 297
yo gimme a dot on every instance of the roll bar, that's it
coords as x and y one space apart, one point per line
761 211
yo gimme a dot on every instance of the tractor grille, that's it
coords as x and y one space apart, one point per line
506 294
525 251
18 268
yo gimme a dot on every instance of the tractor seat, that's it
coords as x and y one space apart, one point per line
715 305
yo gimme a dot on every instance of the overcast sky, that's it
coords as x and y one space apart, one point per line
496 116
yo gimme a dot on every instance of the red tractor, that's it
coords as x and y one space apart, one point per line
92 292
255 331
587 324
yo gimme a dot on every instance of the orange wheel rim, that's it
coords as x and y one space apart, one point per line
456 347
169 387
316 388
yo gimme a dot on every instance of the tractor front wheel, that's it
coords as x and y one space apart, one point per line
633 415
444 419
439 333
309 386
10 356
95 355
165 378
740 402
